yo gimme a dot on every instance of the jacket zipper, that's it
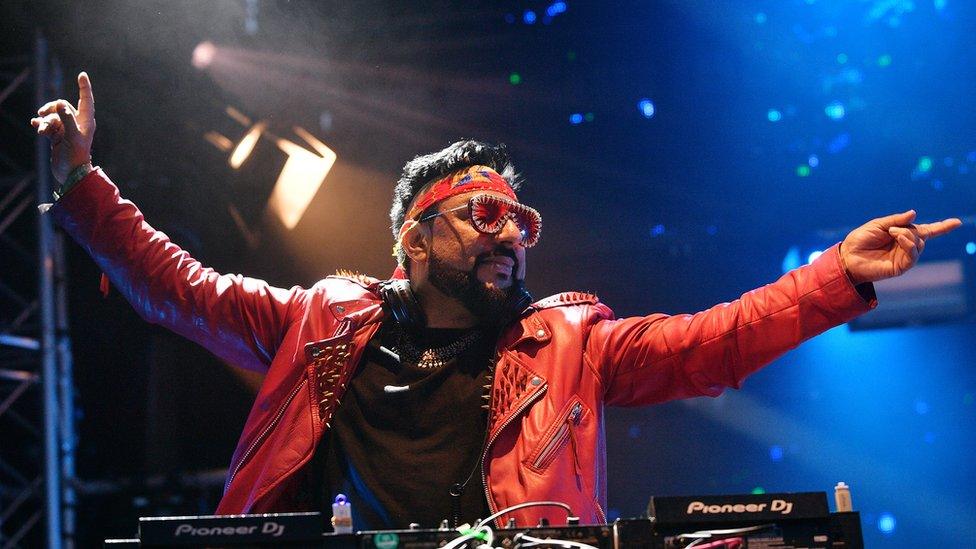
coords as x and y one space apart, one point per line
264 433
484 455
559 439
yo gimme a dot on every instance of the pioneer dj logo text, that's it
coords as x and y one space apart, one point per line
774 506
269 528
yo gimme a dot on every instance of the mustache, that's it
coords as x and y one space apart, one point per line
502 251
499 251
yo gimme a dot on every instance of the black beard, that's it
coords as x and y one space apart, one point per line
487 304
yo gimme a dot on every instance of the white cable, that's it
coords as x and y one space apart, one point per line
569 510
702 535
549 541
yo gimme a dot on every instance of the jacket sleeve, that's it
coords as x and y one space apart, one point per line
644 360
241 320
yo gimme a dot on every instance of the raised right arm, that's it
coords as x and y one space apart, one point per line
242 320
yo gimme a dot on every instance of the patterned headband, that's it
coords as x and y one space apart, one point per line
475 178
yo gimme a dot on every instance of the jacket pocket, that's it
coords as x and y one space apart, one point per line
558 437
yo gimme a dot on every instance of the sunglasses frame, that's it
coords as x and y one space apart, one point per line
514 211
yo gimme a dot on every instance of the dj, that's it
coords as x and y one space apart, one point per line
446 392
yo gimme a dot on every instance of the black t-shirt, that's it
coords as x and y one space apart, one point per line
396 452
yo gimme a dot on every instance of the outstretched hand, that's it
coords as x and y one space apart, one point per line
888 246
69 129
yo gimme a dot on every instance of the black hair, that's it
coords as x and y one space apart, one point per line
430 167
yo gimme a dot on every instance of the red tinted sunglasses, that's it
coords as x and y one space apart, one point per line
488 215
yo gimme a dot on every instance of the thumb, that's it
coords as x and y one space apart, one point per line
896 220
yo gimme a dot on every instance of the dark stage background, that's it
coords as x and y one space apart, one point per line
682 152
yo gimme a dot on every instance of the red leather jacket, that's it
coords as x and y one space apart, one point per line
559 364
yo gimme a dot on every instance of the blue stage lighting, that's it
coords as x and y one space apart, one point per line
835 110
971 248
776 453
760 18
813 161
556 8
646 107
575 118
925 164
839 143
886 523
528 17
774 115
791 260
921 407
814 255
657 230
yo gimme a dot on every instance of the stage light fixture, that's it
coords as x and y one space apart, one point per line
246 145
303 172
300 178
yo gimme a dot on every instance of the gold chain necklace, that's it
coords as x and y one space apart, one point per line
433 357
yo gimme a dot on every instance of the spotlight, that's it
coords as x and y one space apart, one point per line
246 145
300 179
304 170
203 55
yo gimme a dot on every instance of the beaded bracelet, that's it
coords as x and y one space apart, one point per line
74 177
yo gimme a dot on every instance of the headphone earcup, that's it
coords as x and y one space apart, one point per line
402 305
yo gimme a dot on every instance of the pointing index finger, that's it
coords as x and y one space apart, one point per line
86 100
938 228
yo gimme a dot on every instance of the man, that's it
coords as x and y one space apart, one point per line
445 393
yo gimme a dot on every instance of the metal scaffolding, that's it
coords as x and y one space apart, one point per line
37 447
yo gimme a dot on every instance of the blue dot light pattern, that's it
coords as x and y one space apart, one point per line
555 9
887 523
646 107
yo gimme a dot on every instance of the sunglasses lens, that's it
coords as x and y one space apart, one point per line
489 215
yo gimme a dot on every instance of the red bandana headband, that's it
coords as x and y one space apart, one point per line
475 178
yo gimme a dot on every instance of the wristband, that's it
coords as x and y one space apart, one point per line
74 177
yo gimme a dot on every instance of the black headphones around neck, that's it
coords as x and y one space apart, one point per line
401 303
